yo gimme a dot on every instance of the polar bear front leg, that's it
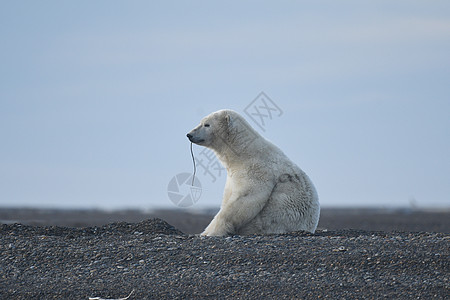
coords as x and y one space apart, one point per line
240 209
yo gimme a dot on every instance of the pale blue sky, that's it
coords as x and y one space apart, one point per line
96 97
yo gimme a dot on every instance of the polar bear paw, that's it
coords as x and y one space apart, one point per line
217 228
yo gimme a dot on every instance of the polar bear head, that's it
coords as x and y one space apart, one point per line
222 131
211 130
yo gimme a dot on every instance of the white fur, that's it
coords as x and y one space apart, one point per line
265 192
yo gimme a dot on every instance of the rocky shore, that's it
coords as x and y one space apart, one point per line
151 259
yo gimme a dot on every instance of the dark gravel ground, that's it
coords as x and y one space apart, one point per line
157 261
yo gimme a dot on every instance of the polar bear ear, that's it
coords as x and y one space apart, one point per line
228 120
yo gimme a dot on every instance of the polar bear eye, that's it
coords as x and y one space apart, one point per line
206 125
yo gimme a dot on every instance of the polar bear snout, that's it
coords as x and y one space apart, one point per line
194 139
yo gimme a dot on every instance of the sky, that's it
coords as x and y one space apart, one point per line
96 98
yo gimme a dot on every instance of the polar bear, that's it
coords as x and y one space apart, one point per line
265 193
